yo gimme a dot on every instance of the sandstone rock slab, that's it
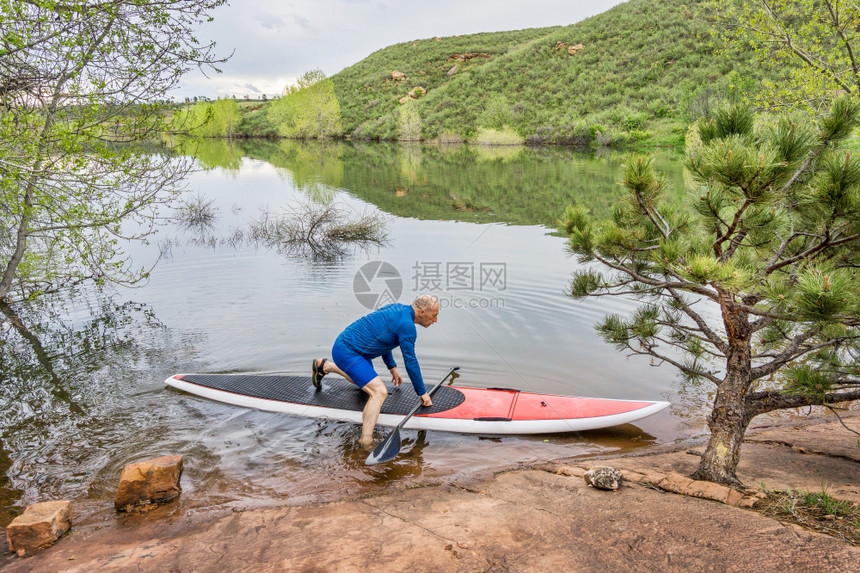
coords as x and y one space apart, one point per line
151 481
39 526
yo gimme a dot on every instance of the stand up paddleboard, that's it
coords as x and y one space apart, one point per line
455 409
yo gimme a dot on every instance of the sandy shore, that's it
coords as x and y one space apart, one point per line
539 518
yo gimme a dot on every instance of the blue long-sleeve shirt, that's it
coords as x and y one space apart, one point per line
380 332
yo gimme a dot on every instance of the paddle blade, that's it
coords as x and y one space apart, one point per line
385 451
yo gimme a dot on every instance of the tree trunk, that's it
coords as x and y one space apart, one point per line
730 415
728 423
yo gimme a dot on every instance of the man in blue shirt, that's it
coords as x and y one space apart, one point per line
374 335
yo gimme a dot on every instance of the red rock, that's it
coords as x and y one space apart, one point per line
708 490
39 526
150 481
675 483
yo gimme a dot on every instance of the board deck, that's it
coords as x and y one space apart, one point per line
455 409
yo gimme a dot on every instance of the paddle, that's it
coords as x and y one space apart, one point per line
390 447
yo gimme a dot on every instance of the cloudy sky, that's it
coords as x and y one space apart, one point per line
275 41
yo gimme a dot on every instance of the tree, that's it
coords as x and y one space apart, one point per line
753 291
79 84
409 122
308 109
497 114
812 46
209 119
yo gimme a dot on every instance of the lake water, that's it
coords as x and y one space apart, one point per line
83 394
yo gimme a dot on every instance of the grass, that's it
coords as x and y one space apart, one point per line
645 70
818 511
504 136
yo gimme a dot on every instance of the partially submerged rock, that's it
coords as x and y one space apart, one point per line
603 478
39 526
150 481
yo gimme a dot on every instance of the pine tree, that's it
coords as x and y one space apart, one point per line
754 289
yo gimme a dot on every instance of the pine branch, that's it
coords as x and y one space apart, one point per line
795 350
771 400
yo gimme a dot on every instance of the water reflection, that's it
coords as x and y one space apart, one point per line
59 360
83 393
515 185
82 397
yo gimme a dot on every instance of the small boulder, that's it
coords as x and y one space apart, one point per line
150 481
708 490
453 71
603 478
39 526
397 76
417 92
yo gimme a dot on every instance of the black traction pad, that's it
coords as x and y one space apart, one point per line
336 392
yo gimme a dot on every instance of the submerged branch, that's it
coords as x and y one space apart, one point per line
321 231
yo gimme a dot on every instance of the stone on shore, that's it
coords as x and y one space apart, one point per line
39 526
150 481
604 478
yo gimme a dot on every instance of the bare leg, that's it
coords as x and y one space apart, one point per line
330 367
378 392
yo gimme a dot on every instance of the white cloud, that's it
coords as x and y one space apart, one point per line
237 85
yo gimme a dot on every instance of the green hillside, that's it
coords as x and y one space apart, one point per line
637 74
643 71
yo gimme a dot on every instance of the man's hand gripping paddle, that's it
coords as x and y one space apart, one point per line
390 447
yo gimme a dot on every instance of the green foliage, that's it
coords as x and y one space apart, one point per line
615 330
409 122
209 152
79 81
208 119
630 82
646 68
585 283
514 185
504 136
255 123
497 114
752 285
808 47
823 295
831 505
308 109
735 120
807 380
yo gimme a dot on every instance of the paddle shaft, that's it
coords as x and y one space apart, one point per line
389 448
420 404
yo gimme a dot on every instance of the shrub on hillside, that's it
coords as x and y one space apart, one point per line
504 136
